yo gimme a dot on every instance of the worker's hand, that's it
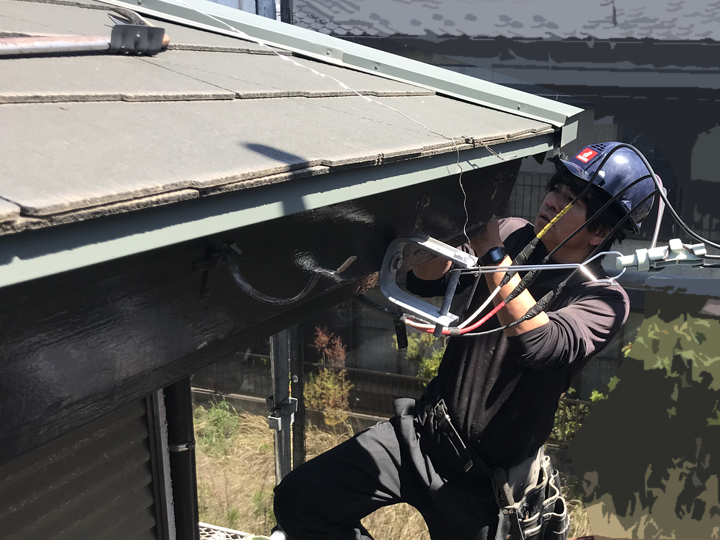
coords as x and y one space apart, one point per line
489 239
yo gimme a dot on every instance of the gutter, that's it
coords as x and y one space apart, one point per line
44 252
336 51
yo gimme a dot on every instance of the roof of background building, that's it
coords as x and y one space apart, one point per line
548 19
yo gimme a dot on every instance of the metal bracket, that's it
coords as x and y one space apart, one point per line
136 39
392 262
185 447
675 253
277 412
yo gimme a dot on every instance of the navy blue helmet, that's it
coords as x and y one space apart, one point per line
621 169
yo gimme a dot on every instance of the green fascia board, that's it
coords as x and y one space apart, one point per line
44 252
352 55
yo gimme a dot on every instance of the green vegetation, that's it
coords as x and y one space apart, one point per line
329 390
216 428
570 416
235 468
424 351
262 501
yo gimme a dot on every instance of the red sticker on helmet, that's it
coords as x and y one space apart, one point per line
586 155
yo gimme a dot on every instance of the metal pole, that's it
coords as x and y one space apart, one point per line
181 446
286 11
281 394
297 388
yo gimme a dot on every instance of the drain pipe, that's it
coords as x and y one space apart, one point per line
181 444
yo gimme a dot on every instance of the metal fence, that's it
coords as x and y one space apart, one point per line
373 392
245 374
527 196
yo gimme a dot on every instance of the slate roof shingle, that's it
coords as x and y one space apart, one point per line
99 134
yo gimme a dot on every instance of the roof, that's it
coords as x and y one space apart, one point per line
550 19
97 135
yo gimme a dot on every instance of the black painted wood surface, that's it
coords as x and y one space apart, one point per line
80 344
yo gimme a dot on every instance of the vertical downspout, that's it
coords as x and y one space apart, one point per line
181 444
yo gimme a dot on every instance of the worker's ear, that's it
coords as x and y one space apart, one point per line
599 235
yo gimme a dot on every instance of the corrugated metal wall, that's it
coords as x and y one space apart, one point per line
93 483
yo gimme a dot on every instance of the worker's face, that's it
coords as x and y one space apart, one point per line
583 243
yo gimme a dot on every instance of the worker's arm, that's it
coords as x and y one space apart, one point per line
575 332
523 302
430 279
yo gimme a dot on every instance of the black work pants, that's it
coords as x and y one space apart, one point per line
328 496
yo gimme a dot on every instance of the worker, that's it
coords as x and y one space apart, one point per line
469 454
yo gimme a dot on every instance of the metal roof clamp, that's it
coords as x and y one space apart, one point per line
393 261
136 39
133 34
277 412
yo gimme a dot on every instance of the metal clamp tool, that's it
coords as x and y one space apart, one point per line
392 262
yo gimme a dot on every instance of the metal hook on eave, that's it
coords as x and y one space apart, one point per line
251 291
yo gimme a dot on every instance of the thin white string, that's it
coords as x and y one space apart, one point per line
286 58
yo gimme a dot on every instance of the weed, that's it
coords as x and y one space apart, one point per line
424 351
235 488
328 391
330 347
216 428
233 518
262 501
572 493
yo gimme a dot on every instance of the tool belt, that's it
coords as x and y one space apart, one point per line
539 514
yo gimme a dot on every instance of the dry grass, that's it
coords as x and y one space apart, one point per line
579 522
236 475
